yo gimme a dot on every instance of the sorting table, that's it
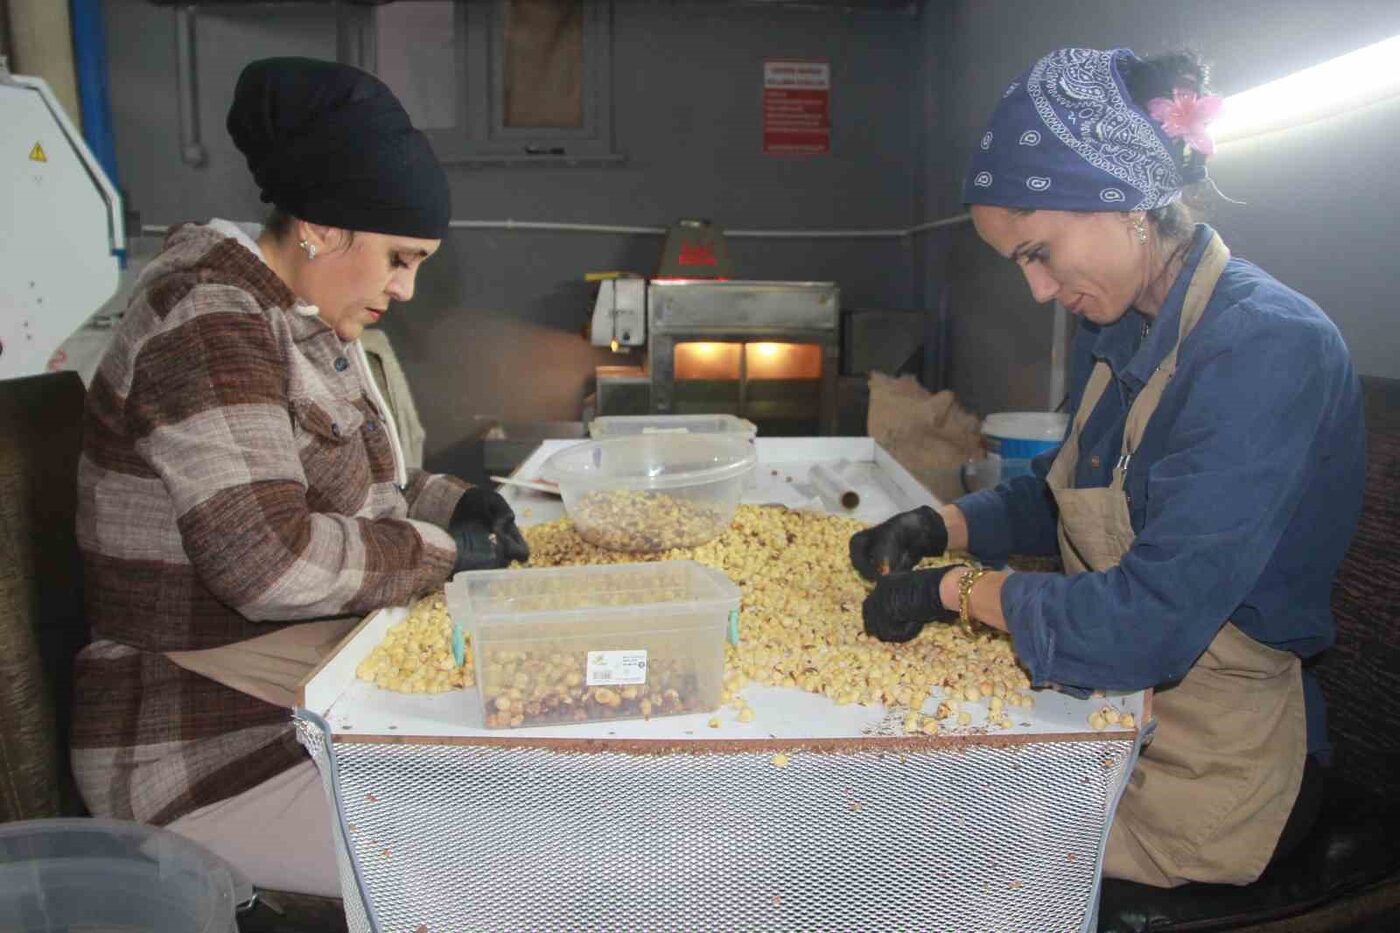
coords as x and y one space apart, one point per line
811 816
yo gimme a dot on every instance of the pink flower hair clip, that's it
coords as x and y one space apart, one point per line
1186 116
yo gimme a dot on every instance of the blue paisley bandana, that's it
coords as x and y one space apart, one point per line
1067 137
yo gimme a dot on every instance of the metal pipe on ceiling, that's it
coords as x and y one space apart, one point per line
742 233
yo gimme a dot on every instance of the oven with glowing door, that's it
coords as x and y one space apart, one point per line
765 351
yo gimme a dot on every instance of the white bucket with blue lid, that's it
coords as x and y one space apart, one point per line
1018 436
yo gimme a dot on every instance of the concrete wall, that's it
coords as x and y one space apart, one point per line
1320 214
495 327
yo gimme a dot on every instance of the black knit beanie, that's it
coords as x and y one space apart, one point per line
332 145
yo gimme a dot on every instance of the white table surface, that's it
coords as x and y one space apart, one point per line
356 708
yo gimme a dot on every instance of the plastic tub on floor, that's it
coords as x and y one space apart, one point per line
89 874
1019 436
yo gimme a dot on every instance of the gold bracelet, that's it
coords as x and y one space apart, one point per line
965 584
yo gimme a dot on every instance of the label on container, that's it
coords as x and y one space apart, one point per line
606 668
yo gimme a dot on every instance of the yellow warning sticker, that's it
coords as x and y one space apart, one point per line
37 154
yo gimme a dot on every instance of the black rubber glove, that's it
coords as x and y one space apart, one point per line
902 603
483 526
898 543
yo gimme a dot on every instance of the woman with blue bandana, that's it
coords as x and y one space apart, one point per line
1205 493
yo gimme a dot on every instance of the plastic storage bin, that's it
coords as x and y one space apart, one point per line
78 874
622 425
595 643
652 492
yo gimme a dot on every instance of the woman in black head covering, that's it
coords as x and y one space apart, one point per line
241 474
333 150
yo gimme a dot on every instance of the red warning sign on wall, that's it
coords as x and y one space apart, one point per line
796 107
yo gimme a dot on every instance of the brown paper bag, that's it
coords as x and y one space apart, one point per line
929 434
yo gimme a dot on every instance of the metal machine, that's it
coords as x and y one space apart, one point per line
765 351
61 232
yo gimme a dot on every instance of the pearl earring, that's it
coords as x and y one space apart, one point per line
310 249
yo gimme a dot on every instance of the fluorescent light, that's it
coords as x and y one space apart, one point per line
1345 83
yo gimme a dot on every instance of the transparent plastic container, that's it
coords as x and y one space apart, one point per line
565 645
622 425
652 492
81 874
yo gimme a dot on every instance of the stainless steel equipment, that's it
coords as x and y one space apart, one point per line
620 313
766 351
622 390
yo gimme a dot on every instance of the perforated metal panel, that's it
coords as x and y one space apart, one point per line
500 837
312 734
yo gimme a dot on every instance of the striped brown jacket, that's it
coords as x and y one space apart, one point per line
235 477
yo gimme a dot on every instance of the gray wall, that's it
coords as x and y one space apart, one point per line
495 327
1319 215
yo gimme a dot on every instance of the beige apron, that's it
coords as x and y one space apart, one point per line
1211 793
270 667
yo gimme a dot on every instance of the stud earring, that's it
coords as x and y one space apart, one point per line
310 249
1140 228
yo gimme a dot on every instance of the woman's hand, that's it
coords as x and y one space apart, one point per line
902 603
898 543
483 525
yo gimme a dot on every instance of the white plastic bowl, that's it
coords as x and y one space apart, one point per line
652 492
76 874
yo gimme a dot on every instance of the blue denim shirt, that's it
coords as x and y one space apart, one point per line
1243 494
